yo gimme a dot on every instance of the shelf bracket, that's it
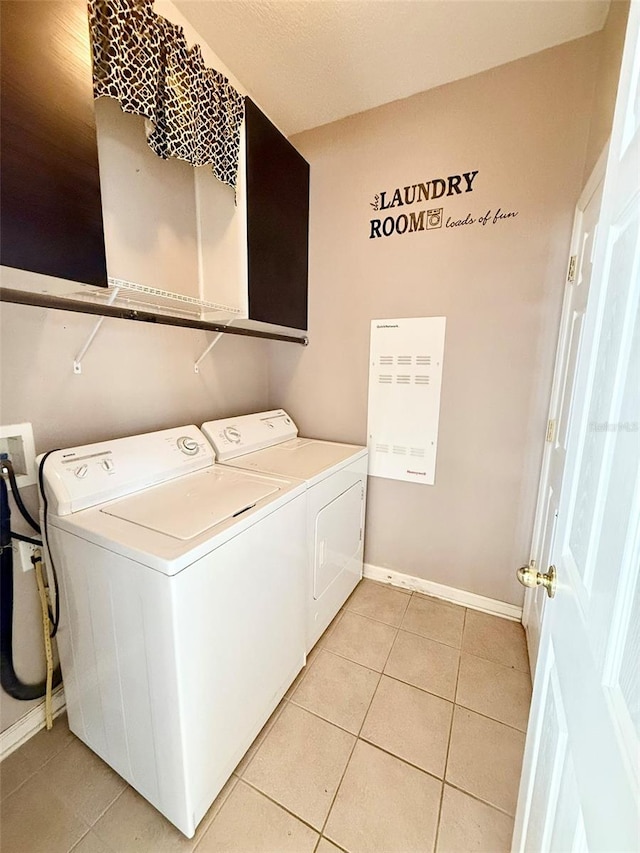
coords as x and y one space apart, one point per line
196 366
77 361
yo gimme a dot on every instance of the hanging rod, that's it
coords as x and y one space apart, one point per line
43 300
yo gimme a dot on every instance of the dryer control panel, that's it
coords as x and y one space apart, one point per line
233 437
84 476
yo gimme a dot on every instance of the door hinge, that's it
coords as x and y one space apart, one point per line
571 275
551 430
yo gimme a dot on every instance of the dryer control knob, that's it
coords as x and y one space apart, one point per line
233 434
81 471
187 445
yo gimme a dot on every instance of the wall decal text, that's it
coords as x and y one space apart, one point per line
429 218
415 193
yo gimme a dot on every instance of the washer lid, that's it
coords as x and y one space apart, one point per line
187 507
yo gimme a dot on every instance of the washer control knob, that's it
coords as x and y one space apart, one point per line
188 445
233 434
81 471
107 464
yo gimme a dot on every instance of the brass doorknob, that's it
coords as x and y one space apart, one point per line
529 577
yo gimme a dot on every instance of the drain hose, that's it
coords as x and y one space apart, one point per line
10 682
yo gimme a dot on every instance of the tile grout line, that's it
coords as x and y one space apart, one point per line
373 618
401 627
499 663
411 684
121 794
427 637
417 687
328 632
357 738
210 823
90 826
480 800
403 760
331 722
446 760
492 719
342 657
75 845
38 769
400 681
275 802
351 660
333 843
473 710
282 705
309 662
376 746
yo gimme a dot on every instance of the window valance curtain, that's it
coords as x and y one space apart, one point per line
143 61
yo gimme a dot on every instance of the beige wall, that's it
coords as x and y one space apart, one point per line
524 127
604 101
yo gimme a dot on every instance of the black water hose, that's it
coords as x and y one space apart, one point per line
9 681
7 468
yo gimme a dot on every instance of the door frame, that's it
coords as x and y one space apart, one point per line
535 599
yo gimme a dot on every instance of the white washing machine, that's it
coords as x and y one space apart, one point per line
182 608
336 479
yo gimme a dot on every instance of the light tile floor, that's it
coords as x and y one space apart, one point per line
404 732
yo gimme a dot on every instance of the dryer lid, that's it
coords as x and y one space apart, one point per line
186 507
302 458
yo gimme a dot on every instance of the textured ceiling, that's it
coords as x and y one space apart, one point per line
309 62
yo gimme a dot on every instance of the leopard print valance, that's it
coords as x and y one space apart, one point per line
143 61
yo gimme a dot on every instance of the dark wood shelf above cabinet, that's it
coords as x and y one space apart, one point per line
50 204
277 224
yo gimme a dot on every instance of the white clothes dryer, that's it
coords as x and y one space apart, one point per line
336 478
182 608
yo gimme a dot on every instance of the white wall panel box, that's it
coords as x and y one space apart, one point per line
405 378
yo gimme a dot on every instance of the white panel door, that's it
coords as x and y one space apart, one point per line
405 380
580 782
573 309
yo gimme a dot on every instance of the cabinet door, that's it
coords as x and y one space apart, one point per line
50 188
277 224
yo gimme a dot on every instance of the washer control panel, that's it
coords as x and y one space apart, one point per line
81 477
233 437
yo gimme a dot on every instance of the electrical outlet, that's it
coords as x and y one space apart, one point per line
17 441
22 554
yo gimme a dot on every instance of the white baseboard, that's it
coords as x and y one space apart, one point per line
447 593
27 726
